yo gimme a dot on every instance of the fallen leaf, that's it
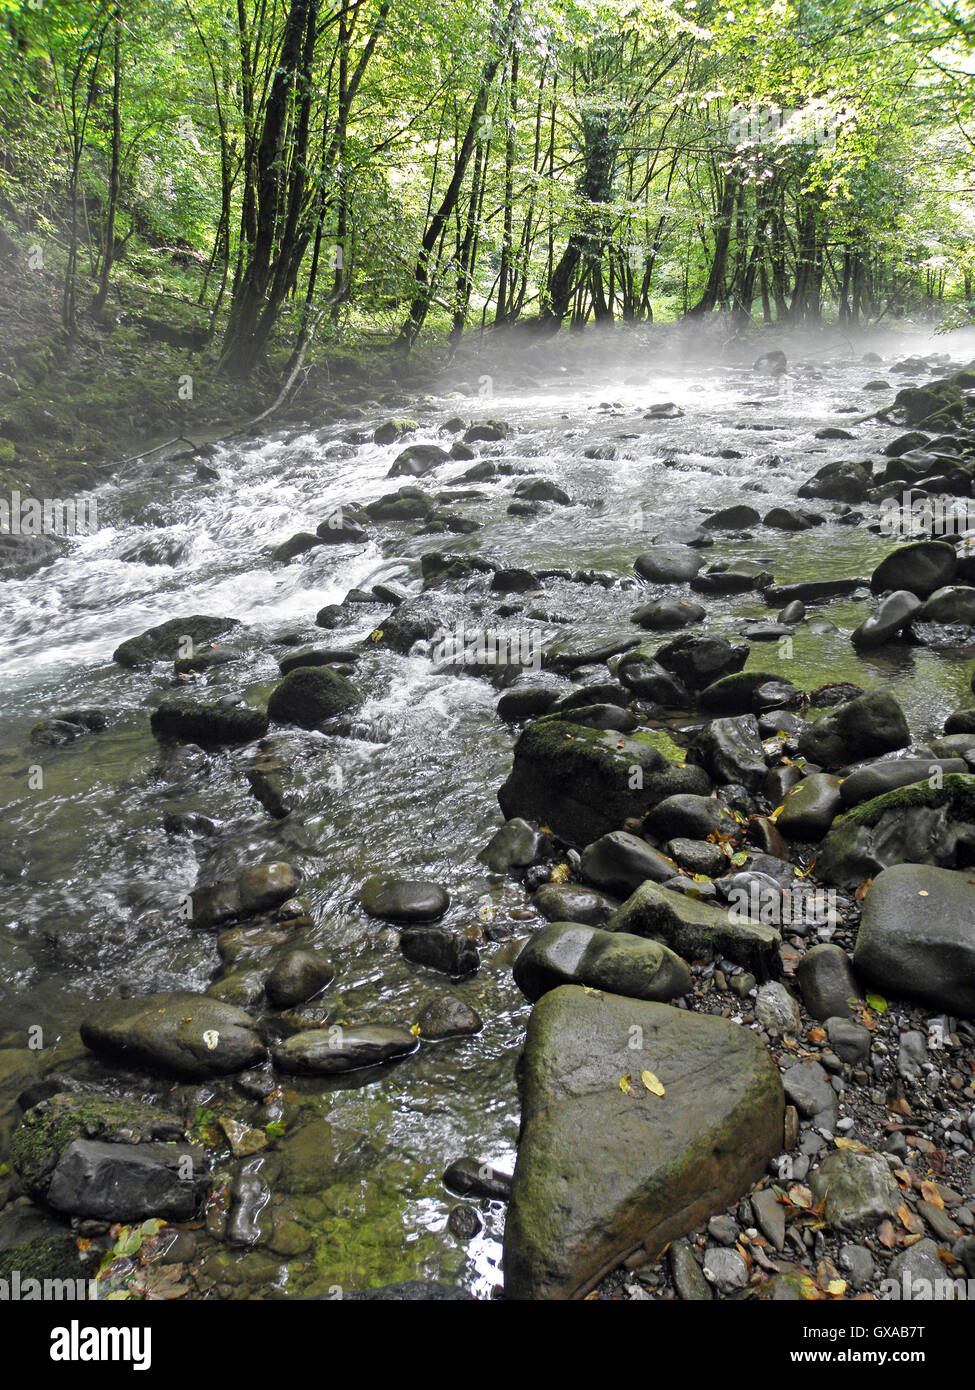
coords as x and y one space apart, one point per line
652 1084
910 1220
887 1235
931 1194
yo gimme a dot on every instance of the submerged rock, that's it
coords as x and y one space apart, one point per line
325 1052
209 724
602 1171
440 948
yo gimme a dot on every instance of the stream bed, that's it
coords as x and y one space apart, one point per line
91 880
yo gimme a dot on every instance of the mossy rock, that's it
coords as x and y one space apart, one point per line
580 782
53 1256
916 824
7 450
47 1129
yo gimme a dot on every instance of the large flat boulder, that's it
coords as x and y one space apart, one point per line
603 1171
916 824
696 930
917 937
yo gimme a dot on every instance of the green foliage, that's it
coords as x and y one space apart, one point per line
832 140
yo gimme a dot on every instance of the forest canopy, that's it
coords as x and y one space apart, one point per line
398 168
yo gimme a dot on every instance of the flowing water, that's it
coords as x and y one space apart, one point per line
90 882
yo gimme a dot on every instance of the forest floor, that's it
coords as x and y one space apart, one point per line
72 406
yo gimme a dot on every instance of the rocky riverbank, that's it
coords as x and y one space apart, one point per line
739 906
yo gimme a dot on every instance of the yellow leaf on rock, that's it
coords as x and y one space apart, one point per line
652 1084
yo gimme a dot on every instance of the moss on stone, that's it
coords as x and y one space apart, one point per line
957 791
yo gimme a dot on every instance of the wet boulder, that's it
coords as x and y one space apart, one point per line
210 723
894 612
391 430
332 1051
917 937
298 544
838 482
734 518
665 614
696 930
418 459
574 902
179 637
936 406
297 976
259 888
604 1171
920 824
699 661
922 568
739 578
859 728
397 899
128 1182
668 564
620 862
408 504
951 604
888 774
810 807
341 528
689 815
736 694
568 953
488 431
582 783
181 1034
311 696
730 750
